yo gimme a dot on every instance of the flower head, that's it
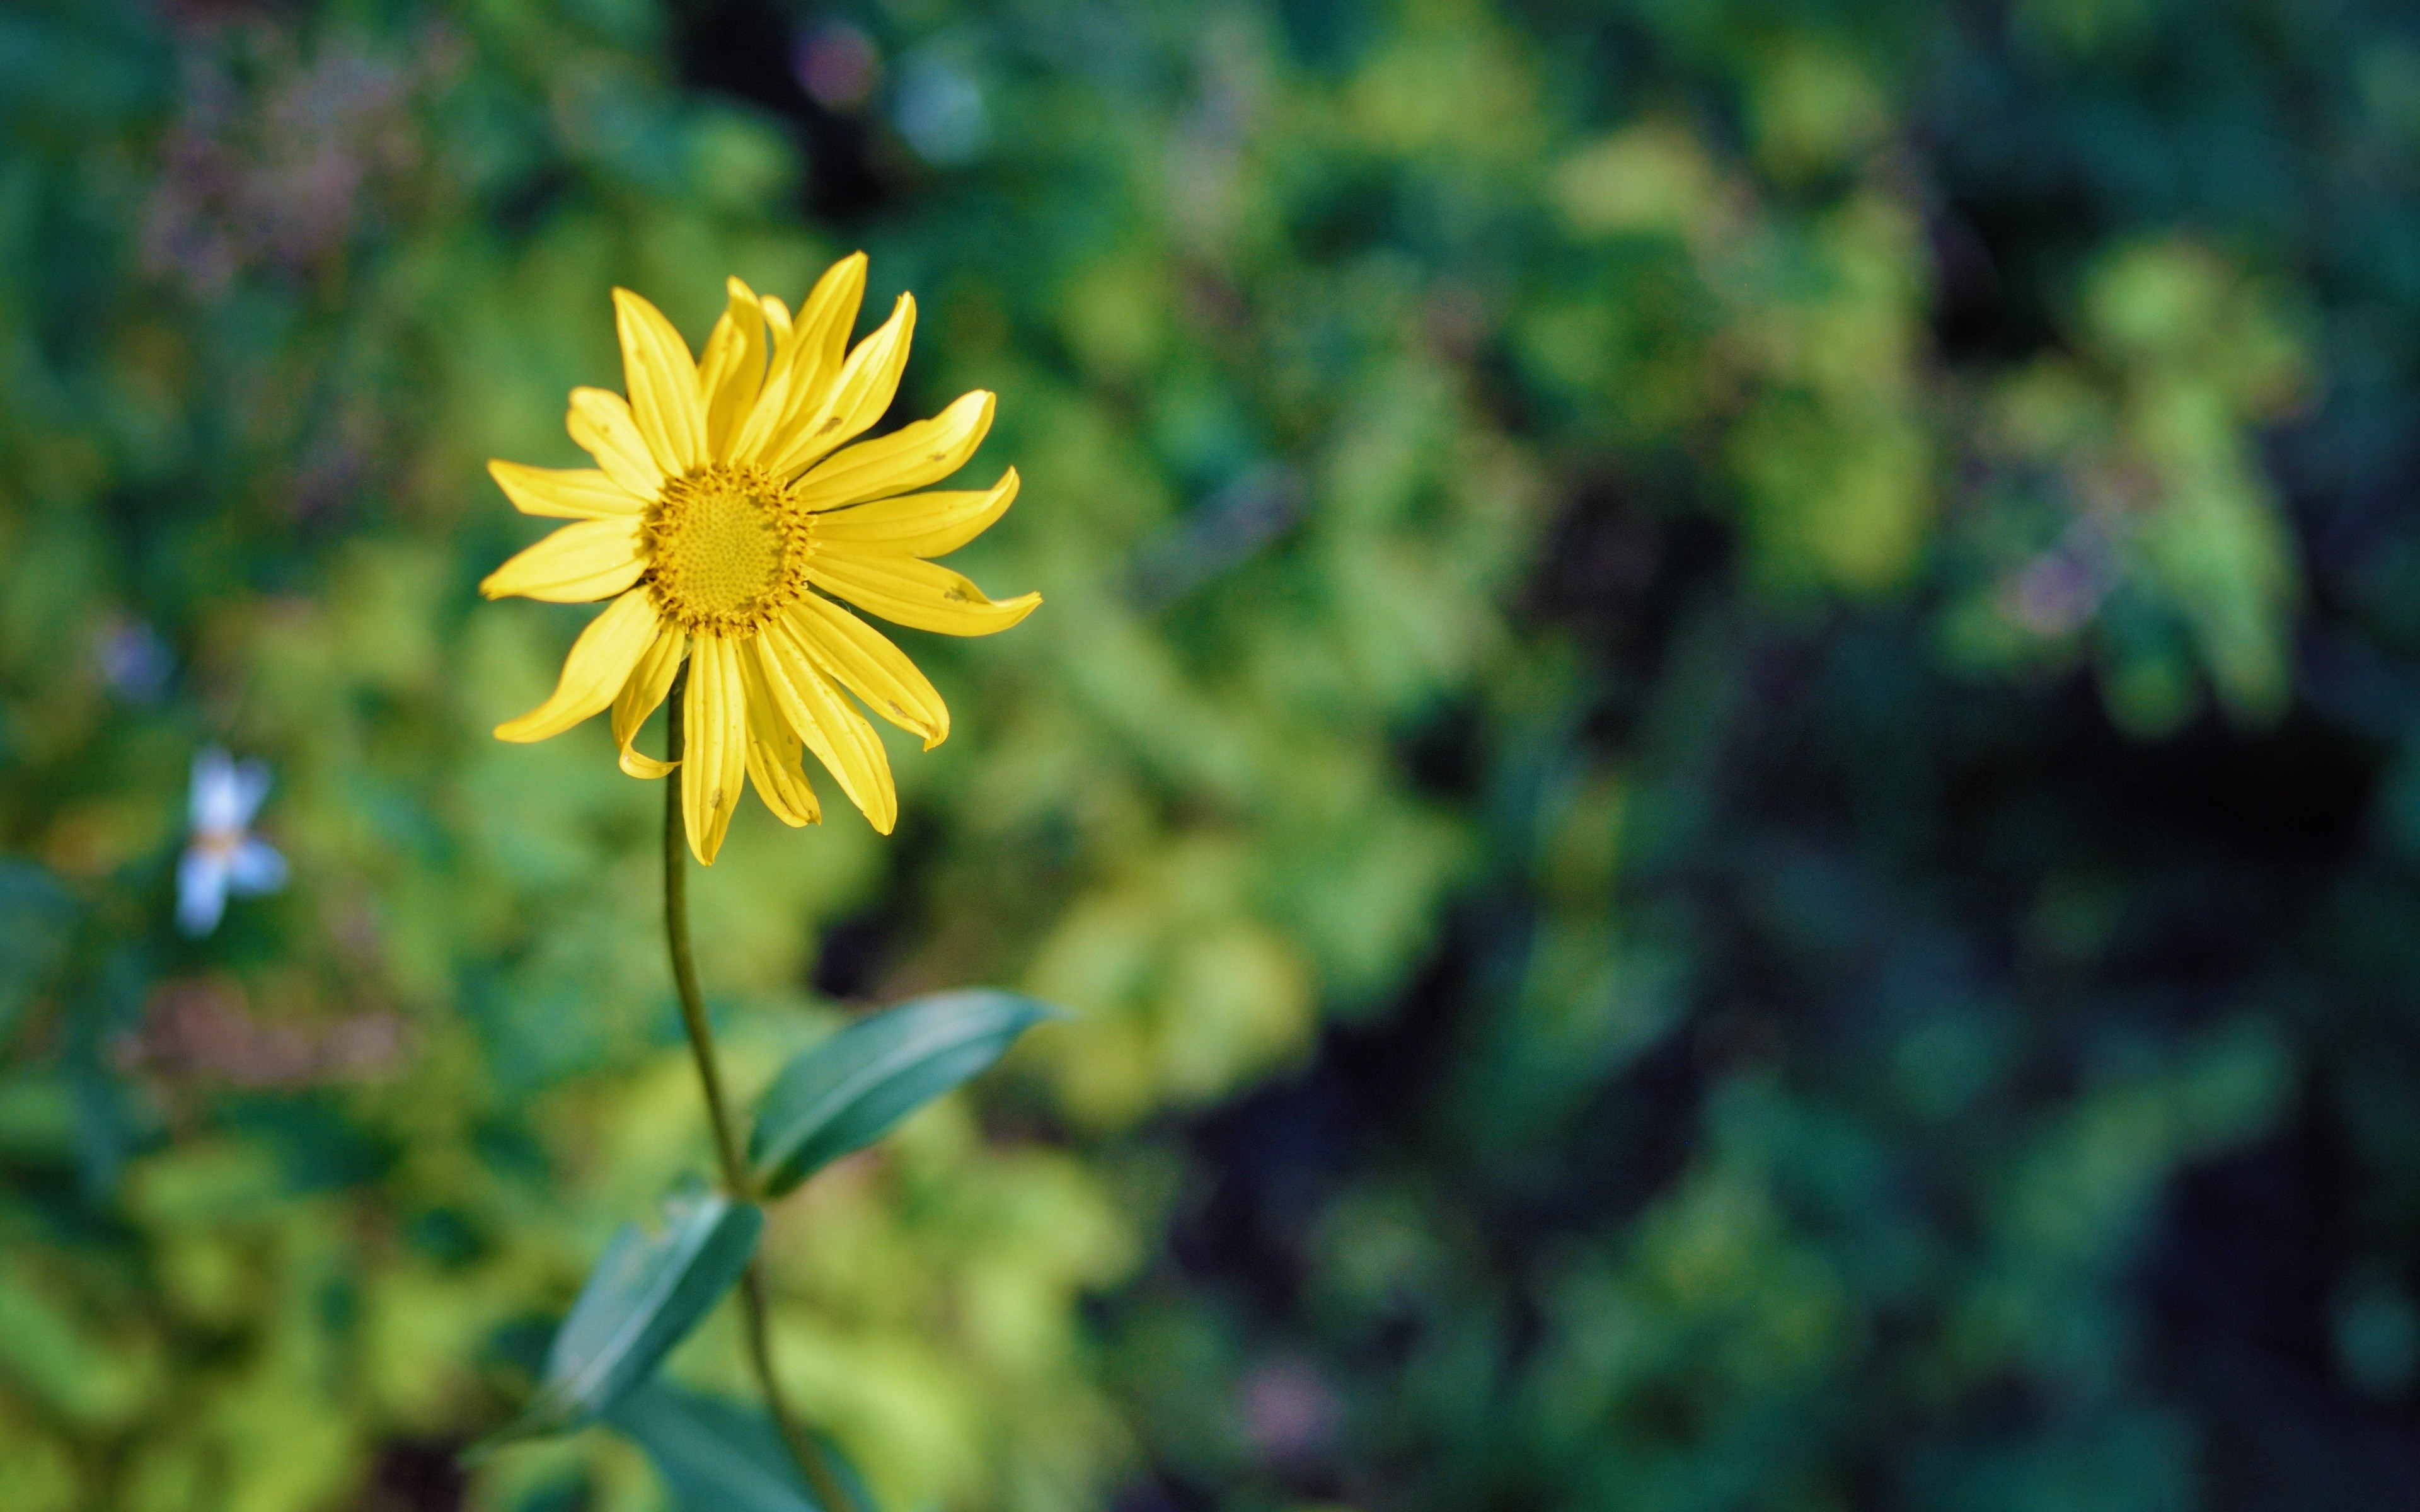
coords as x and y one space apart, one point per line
726 516
224 857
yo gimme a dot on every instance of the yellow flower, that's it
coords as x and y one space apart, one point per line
724 519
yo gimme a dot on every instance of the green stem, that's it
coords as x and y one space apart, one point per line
735 1178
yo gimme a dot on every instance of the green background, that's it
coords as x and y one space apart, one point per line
1724 753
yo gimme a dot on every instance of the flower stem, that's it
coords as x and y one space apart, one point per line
735 1179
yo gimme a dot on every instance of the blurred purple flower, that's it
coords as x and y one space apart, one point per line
135 661
1291 1414
837 64
223 856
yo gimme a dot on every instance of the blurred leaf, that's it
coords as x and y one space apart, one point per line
34 916
644 1297
849 1091
717 1455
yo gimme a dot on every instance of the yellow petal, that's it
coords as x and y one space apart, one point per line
806 360
732 368
773 753
864 661
600 422
831 728
919 524
830 314
661 377
594 559
867 382
714 719
650 681
907 591
909 458
600 663
777 319
564 493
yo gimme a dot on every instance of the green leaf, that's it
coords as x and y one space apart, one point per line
644 1297
717 1455
849 1091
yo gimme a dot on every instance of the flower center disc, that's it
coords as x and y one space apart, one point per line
724 550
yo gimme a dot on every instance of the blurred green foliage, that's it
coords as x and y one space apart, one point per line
1725 687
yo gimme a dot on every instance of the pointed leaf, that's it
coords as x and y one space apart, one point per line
848 1092
717 1455
644 1296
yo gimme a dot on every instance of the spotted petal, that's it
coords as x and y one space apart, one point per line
919 593
600 662
864 661
829 725
867 383
919 524
909 458
594 559
806 359
600 422
773 752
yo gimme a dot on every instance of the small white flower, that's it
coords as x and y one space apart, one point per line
224 857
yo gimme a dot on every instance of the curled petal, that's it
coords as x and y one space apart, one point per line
600 662
650 680
594 559
663 379
864 661
564 493
919 524
777 319
909 458
601 423
831 728
714 716
773 752
919 593
733 367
